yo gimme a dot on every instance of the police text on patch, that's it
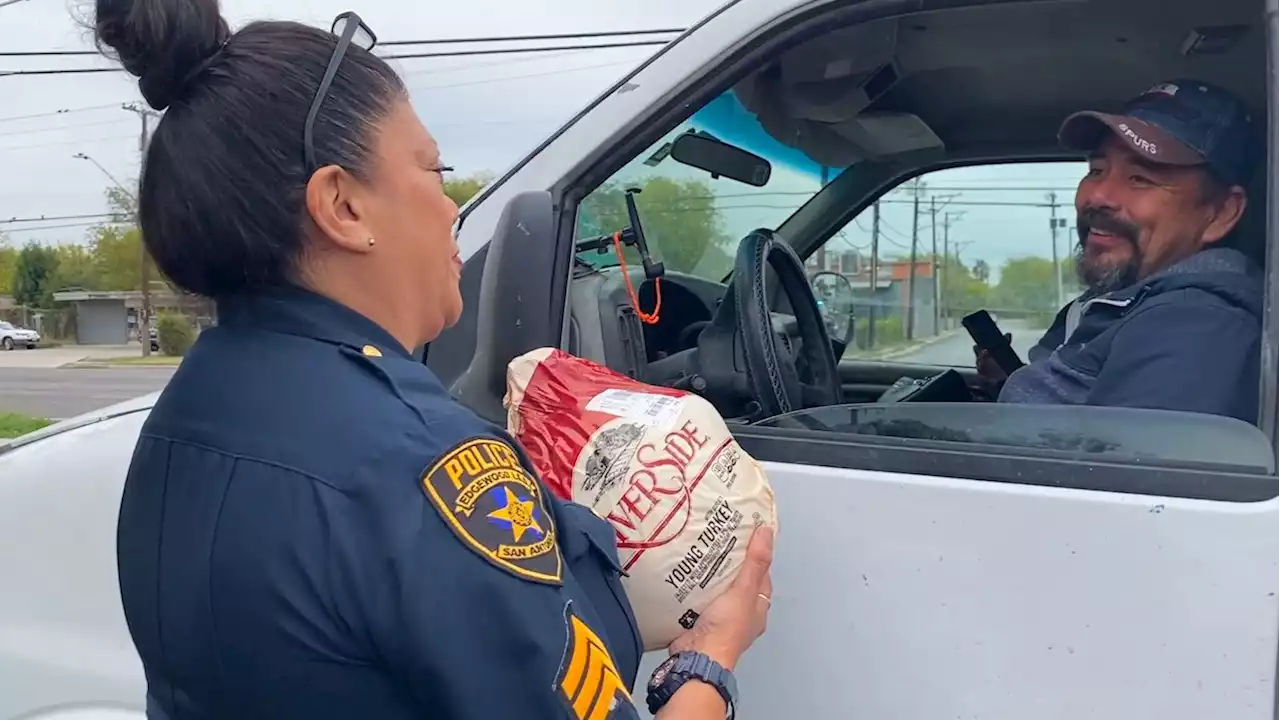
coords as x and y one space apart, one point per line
496 508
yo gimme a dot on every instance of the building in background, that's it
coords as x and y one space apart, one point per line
111 317
892 296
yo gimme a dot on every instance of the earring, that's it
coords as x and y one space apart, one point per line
371 242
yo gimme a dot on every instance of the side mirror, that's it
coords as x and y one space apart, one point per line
519 308
835 297
721 159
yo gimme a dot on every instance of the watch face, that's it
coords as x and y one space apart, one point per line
660 674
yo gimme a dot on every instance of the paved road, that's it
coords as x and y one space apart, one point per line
958 349
64 392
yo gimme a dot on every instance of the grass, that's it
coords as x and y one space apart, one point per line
12 424
139 360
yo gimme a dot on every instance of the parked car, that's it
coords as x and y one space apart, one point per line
934 560
12 336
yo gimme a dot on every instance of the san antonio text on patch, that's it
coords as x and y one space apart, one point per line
496 508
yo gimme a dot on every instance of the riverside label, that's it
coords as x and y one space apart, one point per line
659 465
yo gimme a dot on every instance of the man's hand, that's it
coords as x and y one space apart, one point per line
987 367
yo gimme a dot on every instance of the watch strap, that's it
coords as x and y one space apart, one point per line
689 665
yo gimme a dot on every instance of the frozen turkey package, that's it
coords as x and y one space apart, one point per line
659 464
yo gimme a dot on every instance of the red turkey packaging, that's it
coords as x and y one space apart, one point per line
657 463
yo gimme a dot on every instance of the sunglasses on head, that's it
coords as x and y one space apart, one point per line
350 30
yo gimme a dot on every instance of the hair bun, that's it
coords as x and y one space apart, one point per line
164 43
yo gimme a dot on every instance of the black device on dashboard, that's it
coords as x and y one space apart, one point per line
986 335
947 386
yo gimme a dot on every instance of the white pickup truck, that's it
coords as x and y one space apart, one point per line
936 560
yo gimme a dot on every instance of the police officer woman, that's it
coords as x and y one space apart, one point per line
311 527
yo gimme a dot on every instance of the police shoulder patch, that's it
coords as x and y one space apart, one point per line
496 508
588 680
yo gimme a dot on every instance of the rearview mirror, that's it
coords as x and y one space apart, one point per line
721 159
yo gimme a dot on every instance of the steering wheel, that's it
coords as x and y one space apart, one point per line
741 354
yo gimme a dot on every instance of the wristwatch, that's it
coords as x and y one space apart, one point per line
688 665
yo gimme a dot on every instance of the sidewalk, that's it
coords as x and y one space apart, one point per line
54 357
156 360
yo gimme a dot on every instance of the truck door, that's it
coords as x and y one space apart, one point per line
968 560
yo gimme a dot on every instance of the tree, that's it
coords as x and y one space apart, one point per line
75 268
116 253
174 334
124 207
34 274
963 291
1026 284
982 270
8 259
679 218
460 190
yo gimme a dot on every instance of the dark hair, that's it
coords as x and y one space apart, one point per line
1243 236
221 199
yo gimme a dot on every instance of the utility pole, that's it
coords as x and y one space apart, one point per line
916 187
821 254
937 287
1053 238
947 218
875 272
144 321
946 260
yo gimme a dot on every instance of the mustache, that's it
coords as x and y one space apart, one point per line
1093 218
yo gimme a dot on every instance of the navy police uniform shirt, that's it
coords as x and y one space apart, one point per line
313 528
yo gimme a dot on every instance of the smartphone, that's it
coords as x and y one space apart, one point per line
986 335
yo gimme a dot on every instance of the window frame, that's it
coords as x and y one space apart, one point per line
977 462
878 187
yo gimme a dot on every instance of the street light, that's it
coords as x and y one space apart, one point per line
117 183
145 269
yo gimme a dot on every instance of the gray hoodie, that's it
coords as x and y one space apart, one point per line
1187 338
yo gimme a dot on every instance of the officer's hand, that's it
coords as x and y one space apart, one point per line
738 615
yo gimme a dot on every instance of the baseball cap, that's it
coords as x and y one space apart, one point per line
1179 122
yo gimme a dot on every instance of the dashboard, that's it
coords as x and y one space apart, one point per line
604 326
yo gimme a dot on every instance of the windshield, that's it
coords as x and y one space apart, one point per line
693 221
5 326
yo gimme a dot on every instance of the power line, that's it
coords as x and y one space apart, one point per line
407 56
465 83
62 71
413 73
401 43
510 51
505 78
518 38
58 143
15 231
60 111
56 128
49 218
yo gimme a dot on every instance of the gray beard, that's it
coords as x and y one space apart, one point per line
1102 279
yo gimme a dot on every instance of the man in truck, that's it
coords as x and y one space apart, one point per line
1172 314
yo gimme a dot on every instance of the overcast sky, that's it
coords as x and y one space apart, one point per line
486 112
